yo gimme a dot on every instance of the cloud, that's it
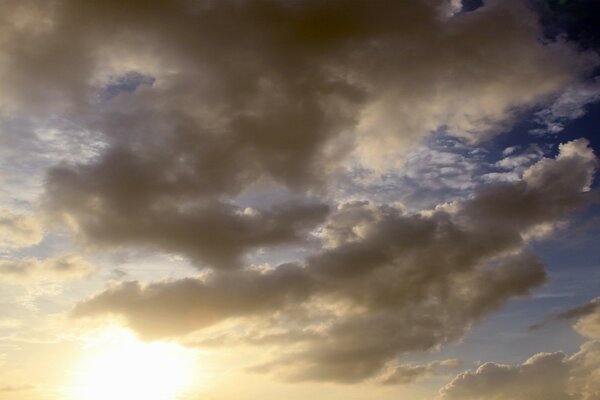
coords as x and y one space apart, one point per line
19 230
190 304
512 161
552 376
438 171
589 309
27 270
408 373
159 38
161 116
386 282
569 105
215 234
513 165
198 103
589 322
182 107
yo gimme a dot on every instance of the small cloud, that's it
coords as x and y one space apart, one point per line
570 105
19 230
27 270
118 274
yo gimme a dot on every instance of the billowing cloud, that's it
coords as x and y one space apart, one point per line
216 234
554 376
178 110
192 113
386 282
28 270
190 304
589 323
409 373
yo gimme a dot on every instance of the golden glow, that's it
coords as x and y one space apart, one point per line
120 367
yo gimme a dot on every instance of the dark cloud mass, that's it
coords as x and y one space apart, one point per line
389 283
193 105
240 95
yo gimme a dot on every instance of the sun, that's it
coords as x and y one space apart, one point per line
120 367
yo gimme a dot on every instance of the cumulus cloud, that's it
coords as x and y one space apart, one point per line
27 270
553 376
409 373
19 230
197 103
310 40
386 282
216 234
188 106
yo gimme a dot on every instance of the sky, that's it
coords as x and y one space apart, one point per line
275 199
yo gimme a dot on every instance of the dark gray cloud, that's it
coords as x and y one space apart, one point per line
387 283
216 234
200 102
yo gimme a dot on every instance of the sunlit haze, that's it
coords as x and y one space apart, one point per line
117 366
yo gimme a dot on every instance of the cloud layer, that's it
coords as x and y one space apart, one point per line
385 284
161 118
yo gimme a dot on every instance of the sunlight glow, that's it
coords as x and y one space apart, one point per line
120 367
